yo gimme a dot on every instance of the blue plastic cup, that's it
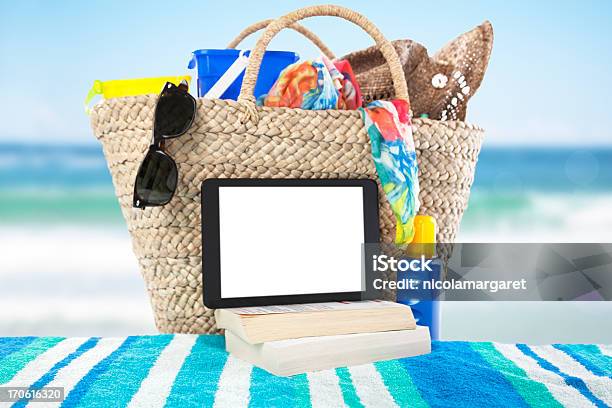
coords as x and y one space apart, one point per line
212 64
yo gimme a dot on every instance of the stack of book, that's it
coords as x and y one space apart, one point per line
294 339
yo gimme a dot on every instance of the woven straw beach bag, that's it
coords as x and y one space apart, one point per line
238 139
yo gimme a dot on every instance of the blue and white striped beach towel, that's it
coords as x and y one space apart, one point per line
189 370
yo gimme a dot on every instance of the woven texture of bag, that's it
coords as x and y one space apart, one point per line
231 139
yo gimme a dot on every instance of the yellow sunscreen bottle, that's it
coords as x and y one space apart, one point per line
424 241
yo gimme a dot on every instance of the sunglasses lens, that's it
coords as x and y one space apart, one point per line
174 113
156 180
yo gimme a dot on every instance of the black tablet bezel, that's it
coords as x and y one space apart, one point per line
211 267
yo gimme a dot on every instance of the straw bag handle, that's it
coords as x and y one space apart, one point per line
246 96
253 28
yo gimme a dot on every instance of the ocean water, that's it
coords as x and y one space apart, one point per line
67 266
540 195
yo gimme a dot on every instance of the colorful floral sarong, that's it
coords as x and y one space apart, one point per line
388 126
314 85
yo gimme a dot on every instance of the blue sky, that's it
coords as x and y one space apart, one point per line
548 82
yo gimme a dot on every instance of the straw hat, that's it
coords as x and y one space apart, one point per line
439 86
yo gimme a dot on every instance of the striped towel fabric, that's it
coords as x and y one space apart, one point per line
190 370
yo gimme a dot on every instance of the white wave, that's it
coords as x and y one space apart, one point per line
72 281
542 217
66 250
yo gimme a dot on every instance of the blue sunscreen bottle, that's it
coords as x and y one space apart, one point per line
424 300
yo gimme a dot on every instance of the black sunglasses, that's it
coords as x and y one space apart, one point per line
157 175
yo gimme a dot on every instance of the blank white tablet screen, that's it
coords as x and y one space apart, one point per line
277 240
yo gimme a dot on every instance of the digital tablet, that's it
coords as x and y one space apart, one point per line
283 241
